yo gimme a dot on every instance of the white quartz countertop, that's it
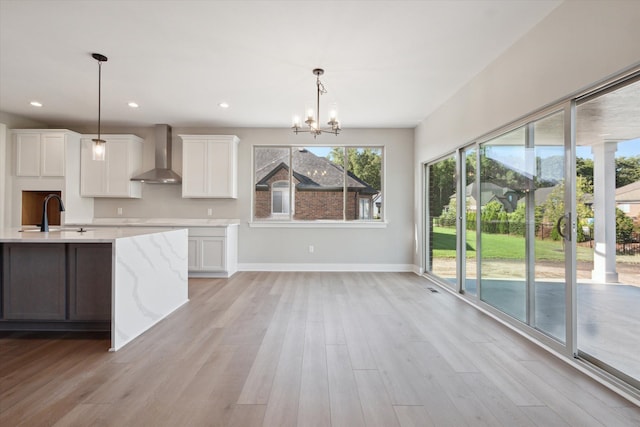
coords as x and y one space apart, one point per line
72 235
159 222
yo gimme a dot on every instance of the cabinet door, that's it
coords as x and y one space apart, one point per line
52 152
27 154
89 281
193 249
34 281
92 172
212 254
220 159
117 160
194 168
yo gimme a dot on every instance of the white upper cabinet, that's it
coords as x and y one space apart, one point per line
210 166
112 176
40 152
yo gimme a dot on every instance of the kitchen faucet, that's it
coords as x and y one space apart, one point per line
44 225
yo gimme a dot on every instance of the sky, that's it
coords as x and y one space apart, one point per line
319 151
628 148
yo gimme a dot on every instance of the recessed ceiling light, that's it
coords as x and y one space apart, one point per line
133 104
223 105
36 103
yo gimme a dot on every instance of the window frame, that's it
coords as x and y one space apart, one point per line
278 220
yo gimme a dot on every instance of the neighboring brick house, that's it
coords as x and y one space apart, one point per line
319 187
628 200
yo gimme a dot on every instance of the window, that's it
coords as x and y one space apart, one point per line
317 183
365 208
280 197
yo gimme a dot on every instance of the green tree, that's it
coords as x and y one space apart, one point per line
517 221
503 222
624 227
627 170
364 163
490 216
584 168
553 207
471 220
448 216
442 185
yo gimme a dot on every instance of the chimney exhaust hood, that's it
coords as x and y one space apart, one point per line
162 173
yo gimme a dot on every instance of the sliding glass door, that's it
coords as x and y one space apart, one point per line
608 202
522 251
540 224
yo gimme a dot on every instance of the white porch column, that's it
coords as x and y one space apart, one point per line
604 215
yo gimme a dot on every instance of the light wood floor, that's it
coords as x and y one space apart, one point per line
308 349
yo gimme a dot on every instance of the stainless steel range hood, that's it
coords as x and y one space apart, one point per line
162 173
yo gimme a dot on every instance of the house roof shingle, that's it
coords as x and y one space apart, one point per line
312 172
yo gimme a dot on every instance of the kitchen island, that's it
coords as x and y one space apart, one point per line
47 277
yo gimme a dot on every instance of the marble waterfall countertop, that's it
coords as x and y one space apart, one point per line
68 234
157 222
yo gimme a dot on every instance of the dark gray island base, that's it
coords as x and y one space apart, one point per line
56 287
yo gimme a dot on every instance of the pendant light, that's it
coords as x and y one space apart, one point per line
99 143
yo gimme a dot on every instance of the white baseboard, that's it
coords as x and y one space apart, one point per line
395 268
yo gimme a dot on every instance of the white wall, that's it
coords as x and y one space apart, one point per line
341 248
578 44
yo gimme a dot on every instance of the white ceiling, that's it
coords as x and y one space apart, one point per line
387 63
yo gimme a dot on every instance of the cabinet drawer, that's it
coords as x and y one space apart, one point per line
208 232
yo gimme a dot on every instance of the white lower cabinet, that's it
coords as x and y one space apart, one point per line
213 252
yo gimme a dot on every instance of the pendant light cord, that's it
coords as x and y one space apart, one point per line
99 95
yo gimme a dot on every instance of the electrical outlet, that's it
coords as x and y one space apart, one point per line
209 211
311 249
119 211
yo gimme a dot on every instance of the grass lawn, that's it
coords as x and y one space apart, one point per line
501 246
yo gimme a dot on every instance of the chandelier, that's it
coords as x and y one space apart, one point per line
312 118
